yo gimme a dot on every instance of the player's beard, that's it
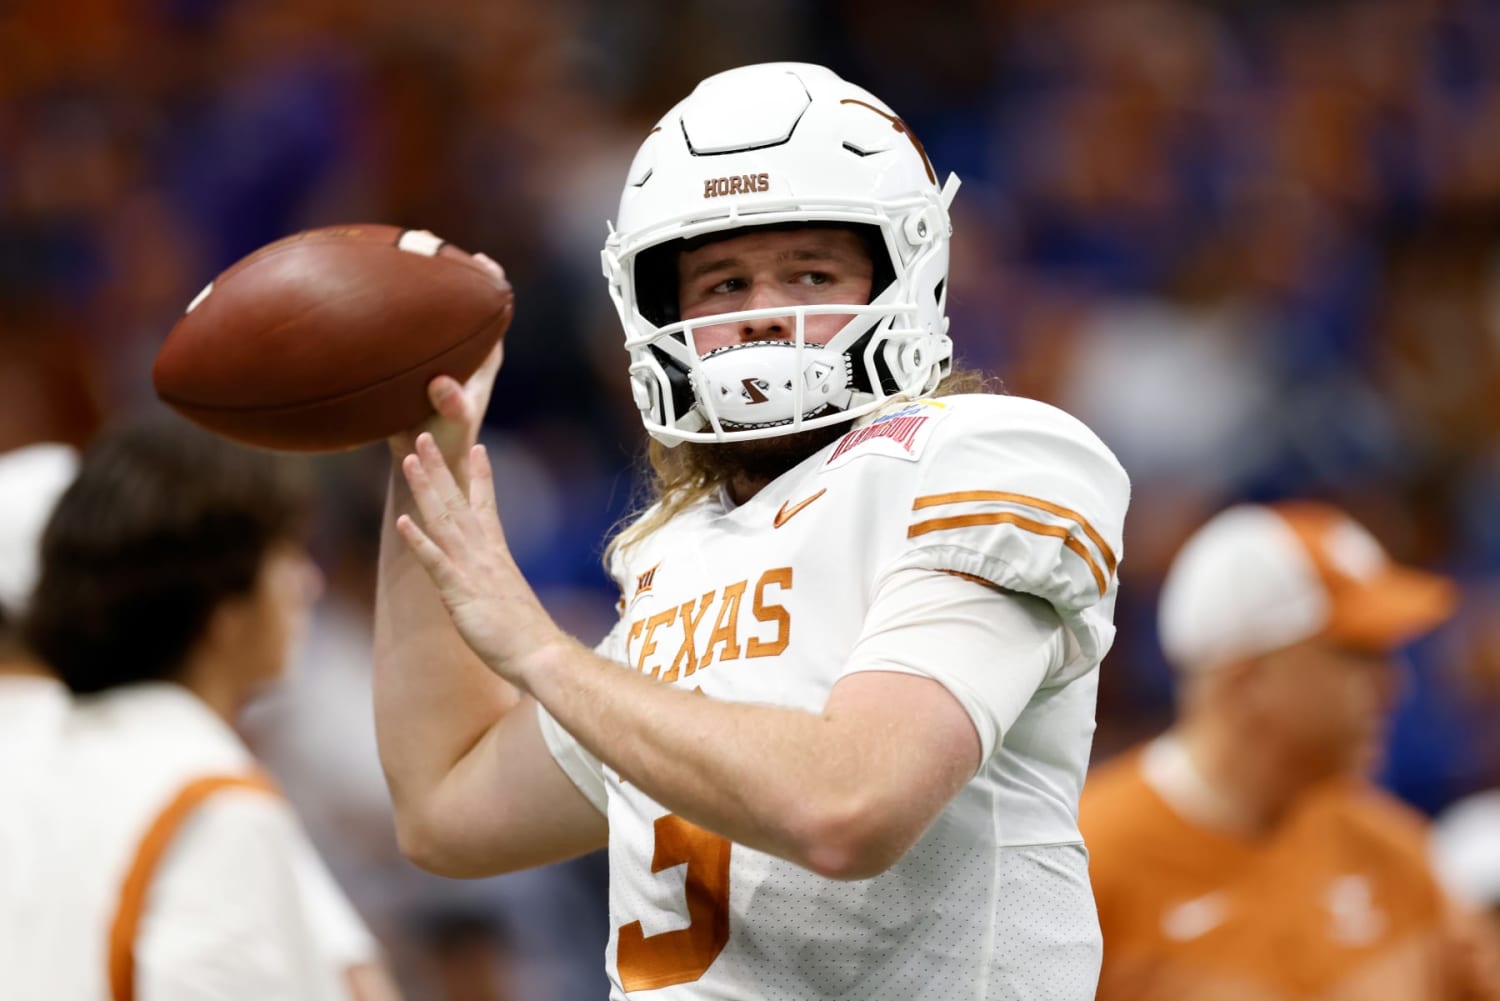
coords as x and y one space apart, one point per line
755 462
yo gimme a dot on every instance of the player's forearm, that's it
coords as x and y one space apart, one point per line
787 782
434 700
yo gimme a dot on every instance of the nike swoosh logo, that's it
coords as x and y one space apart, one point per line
787 513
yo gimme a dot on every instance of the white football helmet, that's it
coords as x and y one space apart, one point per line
779 144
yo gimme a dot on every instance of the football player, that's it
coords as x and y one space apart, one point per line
836 740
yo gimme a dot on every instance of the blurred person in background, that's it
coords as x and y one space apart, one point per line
33 703
32 700
1244 853
173 582
852 683
1466 855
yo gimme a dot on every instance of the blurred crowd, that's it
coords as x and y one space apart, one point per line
1256 246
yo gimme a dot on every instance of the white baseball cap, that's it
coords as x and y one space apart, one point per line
31 481
1257 578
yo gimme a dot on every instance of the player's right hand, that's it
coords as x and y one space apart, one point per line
459 407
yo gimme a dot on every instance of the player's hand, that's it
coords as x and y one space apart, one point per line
459 406
459 542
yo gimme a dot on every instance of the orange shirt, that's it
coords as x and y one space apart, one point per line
1336 904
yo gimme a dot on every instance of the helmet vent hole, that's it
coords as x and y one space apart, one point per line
861 152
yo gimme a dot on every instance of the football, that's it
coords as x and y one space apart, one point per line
327 339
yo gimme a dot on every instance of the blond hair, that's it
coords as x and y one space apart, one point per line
678 478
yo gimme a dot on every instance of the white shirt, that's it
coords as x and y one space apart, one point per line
846 563
32 712
239 905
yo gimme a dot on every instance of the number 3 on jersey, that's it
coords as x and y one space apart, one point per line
680 957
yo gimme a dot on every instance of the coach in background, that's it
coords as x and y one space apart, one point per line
154 862
1243 854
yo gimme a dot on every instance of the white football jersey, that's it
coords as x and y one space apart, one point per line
766 603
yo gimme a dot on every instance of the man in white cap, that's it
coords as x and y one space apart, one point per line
1244 854
32 701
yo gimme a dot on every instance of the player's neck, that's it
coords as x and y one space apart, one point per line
744 468
742 487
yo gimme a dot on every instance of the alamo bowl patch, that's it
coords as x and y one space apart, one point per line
901 432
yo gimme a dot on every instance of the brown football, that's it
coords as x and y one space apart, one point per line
327 339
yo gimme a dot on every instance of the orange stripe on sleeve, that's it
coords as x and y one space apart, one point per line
962 496
1026 524
975 578
127 920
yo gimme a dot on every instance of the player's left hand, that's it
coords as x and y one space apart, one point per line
461 545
